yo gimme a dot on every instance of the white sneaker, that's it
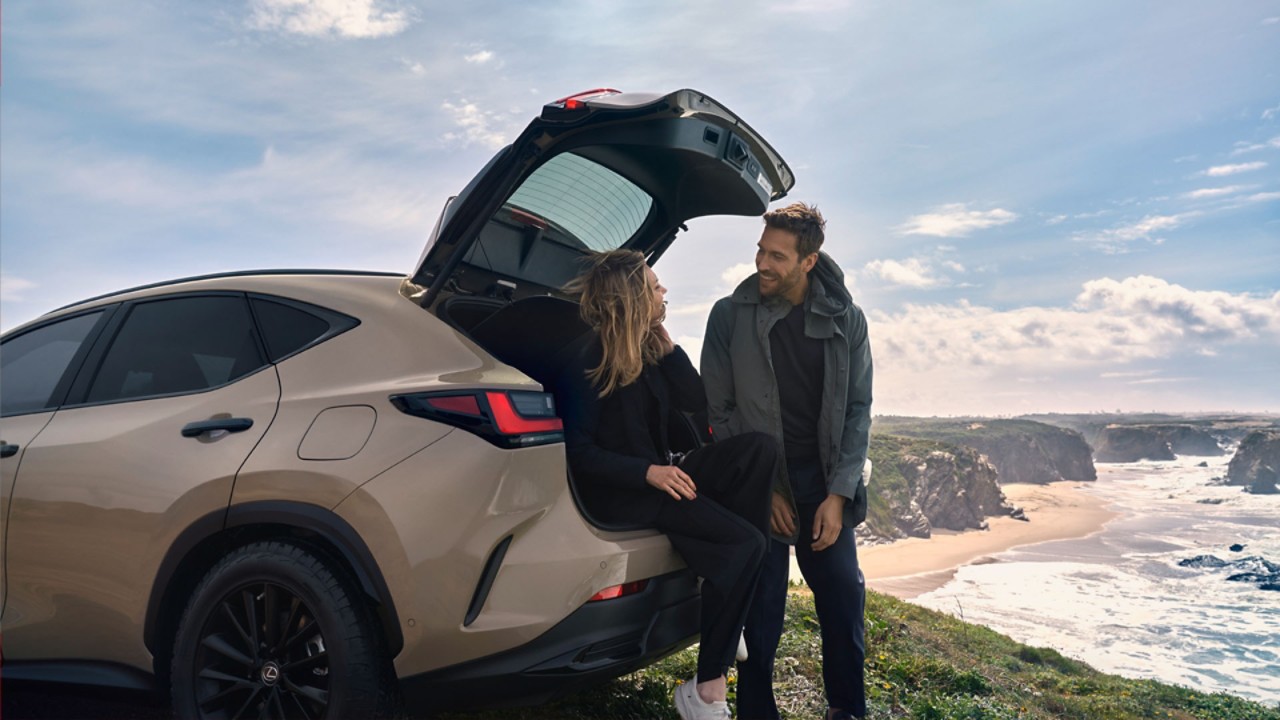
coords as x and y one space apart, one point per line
742 648
691 706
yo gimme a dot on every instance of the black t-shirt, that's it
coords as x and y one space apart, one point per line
798 367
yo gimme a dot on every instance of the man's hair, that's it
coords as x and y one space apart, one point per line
804 221
616 301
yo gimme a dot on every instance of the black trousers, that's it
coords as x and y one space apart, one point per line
839 596
722 536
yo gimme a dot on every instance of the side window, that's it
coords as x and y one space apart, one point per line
287 329
178 345
31 364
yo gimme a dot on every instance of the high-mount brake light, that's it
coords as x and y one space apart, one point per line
506 418
617 591
577 100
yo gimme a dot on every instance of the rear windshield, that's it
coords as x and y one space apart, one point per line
587 203
567 208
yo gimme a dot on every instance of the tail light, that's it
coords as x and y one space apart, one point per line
574 107
506 418
577 100
617 591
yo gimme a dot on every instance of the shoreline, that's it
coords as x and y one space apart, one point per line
914 566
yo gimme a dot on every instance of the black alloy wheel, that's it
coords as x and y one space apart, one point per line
272 632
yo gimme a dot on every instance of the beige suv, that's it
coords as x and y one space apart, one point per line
314 494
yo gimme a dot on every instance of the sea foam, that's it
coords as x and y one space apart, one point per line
1120 601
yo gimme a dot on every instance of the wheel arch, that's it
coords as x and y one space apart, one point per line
197 548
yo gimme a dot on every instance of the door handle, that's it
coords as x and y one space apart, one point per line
201 427
7 450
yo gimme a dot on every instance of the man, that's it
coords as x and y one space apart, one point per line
787 354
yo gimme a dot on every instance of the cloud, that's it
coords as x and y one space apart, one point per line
735 274
1270 113
1117 239
414 66
1242 147
1056 219
476 125
1221 170
955 220
327 18
12 288
1215 192
1270 20
1110 322
1263 197
912 272
479 58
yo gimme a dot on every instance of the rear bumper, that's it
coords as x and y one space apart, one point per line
597 642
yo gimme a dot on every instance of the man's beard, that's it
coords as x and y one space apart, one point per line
783 284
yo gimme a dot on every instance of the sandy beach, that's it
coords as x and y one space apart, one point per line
915 566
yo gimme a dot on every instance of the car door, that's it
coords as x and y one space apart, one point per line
170 403
36 368
638 165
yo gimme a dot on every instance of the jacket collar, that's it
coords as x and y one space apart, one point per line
827 294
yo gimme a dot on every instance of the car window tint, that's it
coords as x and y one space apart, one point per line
287 329
178 345
583 200
31 364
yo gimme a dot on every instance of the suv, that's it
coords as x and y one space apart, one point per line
316 493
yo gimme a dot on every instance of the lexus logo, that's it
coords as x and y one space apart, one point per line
270 674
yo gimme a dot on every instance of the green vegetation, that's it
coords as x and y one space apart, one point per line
962 431
921 665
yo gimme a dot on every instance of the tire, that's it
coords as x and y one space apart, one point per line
272 631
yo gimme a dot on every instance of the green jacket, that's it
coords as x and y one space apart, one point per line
742 391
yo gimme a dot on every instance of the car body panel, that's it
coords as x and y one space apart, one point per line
555 562
17 430
104 491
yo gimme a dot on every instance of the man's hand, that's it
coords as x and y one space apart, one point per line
828 522
671 480
664 339
782 520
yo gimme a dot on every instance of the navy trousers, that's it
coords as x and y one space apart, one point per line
839 594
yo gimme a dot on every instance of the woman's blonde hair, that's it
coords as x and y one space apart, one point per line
616 301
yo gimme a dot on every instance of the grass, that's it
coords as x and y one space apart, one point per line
921 665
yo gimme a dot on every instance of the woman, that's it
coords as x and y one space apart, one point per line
615 399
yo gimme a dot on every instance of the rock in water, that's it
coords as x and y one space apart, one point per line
1203 561
1255 464
1237 547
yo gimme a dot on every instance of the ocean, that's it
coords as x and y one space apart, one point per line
1119 600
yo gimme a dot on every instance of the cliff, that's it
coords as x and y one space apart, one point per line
1123 443
1021 450
1130 443
1256 464
1189 440
919 485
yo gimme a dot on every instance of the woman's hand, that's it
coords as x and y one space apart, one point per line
782 520
671 480
664 339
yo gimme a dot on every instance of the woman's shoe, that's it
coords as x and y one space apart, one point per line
692 707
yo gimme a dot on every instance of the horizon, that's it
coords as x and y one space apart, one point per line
1058 208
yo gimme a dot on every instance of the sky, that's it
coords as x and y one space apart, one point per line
1040 206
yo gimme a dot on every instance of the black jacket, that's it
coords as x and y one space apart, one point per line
612 441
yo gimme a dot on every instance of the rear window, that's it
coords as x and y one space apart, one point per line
287 329
584 202
569 207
